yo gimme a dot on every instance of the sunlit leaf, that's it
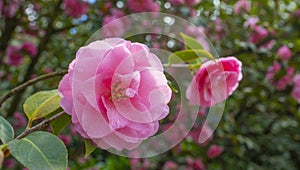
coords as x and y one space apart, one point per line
188 56
6 131
40 150
89 148
41 104
191 43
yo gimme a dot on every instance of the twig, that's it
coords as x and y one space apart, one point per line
41 125
28 83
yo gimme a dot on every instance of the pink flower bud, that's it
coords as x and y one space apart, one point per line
214 151
284 52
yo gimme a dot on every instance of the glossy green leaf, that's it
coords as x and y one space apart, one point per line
41 104
40 150
191 43
6 131
188 56
89 147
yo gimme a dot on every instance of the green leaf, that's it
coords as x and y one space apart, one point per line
89 147
189 55
40 150
191 43
41 104
6 131
60 123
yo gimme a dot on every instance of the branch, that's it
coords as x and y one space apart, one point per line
28 83
41 125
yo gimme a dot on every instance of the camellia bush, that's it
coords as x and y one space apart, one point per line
144 84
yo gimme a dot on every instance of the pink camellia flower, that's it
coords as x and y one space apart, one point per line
296 93
10 8
195 164
284 52
241 6
143 6
298 13
214 81
251 22
214 151
258 34
170 165
29 48
296 89
116 93
112 27
14 56
296 79
283 82
75 8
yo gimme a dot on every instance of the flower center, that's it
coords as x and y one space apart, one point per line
118 93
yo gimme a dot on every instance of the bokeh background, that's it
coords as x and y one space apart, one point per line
260 125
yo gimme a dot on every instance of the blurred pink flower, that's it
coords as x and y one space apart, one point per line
10 8
170 165
192 2
116 93
14 56
47 70
296 93
113 27
215 81
241 6
143 6
198 165
194 164
19 120
251 22
135 163
258 34
29 48
296 80
283 82
116 12
182 2
177 2
75 8
298 13
66 139
296 89
9 163
284 52
214 151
